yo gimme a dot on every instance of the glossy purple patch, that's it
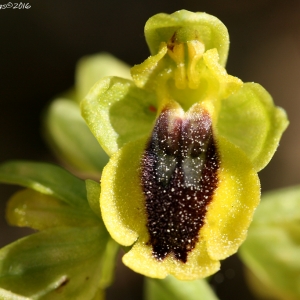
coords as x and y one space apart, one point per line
179 177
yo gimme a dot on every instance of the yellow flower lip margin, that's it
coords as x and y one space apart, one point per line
246 126
226 221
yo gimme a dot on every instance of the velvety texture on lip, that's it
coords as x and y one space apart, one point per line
179 176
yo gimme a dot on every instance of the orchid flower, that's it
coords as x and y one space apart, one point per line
185 141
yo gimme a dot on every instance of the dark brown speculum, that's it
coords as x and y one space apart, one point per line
179 177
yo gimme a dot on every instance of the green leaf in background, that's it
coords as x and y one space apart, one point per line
91 68
172 289
108 263
28 208
111 250
57 263
117 112
272 248
73 257
71 139
46 179
65 130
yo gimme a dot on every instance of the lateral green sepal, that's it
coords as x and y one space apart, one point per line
117 112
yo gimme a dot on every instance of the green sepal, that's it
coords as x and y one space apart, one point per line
250 120
70 138
117 112
91 68
47 179
188 26
272 248
58 263
171 288
28 208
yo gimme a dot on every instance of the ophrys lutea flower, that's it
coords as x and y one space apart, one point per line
186 141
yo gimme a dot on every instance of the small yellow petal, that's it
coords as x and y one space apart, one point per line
228 84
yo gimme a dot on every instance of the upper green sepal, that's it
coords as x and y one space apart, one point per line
188 26
189 52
